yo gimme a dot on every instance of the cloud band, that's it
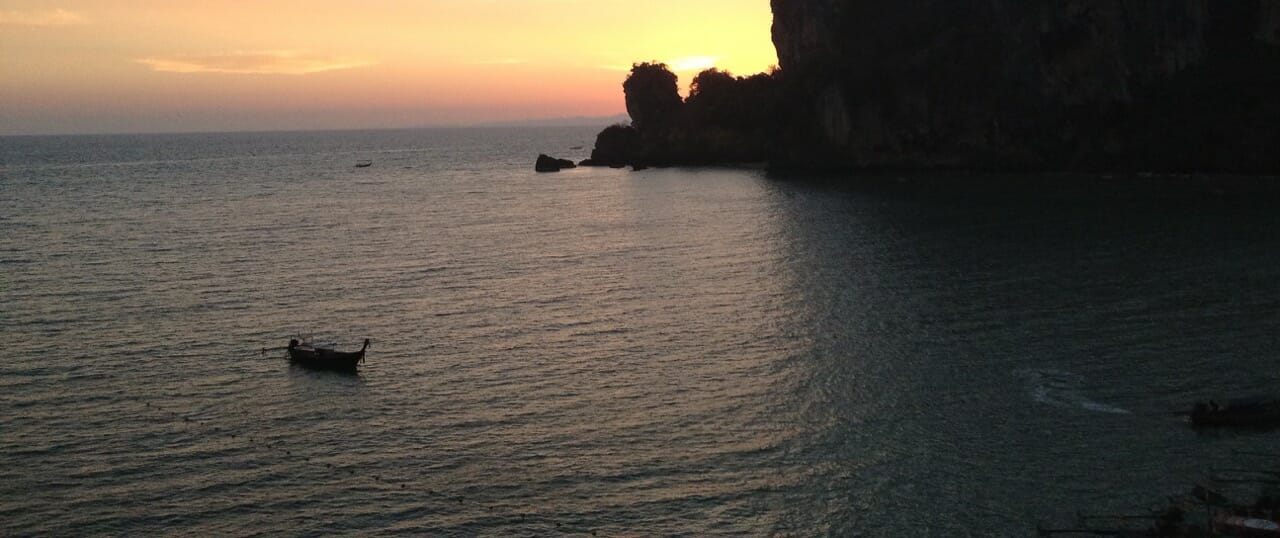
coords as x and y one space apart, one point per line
255 63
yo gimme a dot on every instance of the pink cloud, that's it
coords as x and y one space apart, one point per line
260 63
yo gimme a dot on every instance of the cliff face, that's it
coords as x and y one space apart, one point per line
1166 85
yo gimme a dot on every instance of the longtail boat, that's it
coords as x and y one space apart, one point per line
324 357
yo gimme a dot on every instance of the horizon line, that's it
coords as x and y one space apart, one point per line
513 123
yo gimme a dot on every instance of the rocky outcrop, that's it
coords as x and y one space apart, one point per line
546 163
726 119
615 147
1156 85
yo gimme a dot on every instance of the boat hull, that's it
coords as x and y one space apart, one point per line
325 359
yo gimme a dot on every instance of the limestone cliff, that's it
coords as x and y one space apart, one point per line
1164 85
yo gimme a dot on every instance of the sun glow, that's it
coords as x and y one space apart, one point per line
693 63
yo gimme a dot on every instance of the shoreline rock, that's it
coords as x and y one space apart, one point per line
547 163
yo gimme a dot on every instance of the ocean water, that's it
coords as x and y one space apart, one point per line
601 352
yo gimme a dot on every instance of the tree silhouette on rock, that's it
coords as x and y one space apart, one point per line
653 99
718 99
726 119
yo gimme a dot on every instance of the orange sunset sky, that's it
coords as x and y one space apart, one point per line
99 66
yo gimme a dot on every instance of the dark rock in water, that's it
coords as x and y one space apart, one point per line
1040 84
547 163
616 147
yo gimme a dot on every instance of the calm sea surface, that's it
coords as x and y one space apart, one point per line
601 352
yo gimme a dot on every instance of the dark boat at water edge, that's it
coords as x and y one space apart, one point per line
1254 412
325 358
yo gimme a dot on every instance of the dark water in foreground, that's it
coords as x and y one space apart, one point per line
667 352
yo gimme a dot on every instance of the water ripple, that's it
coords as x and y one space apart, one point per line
673 352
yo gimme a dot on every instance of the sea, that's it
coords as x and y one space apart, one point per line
607 352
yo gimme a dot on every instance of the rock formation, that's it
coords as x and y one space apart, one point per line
726 119
615 146
1147 85
546 163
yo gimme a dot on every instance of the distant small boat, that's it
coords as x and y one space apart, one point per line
1255 412
325 357
364 164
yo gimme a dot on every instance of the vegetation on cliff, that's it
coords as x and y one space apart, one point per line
725 119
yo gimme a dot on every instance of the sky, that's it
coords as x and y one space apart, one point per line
113 66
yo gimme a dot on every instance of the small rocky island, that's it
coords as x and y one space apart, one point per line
546 163
725 119
1075 85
